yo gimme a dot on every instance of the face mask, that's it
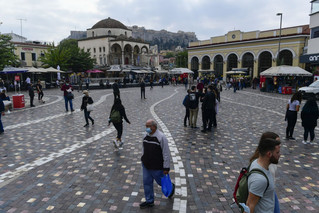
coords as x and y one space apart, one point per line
148 130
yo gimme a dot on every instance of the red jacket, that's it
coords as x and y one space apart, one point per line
65 88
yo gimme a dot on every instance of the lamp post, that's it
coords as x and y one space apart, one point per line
279 14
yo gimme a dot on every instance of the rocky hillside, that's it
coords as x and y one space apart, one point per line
165 40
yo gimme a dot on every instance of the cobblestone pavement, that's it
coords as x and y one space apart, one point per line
50 163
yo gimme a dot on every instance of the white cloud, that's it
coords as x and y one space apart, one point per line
53 20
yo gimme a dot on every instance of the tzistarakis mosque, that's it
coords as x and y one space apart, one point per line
110 42
256 51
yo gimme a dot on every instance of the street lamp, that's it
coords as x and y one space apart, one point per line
279 14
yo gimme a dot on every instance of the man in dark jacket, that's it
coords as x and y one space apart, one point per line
208 108
155 161
31 94
142 84
193 106
116 90
1 114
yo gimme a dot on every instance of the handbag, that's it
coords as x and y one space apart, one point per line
89 107
167 185
70 95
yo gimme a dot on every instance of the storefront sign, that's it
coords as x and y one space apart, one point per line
311 58
27 48
17 78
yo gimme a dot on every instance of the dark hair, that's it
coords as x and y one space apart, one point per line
267 144
117 104
311 107
297 96
193 87
265 135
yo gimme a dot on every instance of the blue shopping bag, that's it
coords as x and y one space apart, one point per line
167 186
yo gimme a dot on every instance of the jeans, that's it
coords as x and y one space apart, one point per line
119 129
193 116
310 130
87 116
186 117
1 126
40 95
292 119
31 100
143 93
148 180
66 100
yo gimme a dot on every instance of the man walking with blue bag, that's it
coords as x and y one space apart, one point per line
155 161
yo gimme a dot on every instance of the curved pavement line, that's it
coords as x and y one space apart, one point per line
180 204
101 100
53 102
260 108
9 176
267 96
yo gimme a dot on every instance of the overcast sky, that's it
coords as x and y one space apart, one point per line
52 20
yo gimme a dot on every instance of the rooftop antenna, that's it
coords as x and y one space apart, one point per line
21 19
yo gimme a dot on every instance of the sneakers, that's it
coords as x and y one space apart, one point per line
292 138
173 191
86 125
146 205
304 142
116 144
121 145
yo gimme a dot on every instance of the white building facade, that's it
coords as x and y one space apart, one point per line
110 42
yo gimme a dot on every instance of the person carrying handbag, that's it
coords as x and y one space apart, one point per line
68 96
86 106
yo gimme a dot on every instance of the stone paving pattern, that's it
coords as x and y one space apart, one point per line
69 168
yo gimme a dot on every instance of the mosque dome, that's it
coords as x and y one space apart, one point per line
109 23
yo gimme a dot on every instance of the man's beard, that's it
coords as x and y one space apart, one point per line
273 160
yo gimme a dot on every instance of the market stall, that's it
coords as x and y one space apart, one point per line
284 79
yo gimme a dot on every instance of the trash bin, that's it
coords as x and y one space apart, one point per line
18 101
289 90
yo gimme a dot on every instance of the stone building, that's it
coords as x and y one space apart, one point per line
256 51
110 42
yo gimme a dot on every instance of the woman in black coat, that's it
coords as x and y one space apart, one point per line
116 117
86 101
309 116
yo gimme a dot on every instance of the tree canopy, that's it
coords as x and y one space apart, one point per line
68 56
181 59
7 56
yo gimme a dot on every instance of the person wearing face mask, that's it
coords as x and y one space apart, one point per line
155 161
67 89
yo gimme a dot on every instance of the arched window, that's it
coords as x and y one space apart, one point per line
195 66
248 62
218 65
285 58
125 34
92 33
265 61
109 32
205 63
232 61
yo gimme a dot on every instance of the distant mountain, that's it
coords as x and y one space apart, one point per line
164 39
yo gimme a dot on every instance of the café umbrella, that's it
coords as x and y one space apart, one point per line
285 70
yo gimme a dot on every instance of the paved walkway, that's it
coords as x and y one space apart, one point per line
50 162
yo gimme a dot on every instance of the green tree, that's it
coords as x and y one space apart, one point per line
69 57
169 55
181 59
56 56
7 56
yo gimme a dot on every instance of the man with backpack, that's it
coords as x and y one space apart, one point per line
258 180
193 106
186 105
208 108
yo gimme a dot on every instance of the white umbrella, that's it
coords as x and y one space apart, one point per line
115 68
285 70
51 69
13 70
235 72
35 70
180 71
